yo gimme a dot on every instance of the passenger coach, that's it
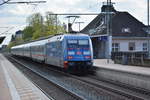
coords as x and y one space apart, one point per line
67 51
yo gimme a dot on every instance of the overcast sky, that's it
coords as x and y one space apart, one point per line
15 15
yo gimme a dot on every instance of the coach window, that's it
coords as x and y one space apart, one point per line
40 48
59 49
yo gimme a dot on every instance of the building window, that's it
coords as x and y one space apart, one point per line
115 47
145 47
131 46
126 30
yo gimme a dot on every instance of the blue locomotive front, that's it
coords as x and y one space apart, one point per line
78 53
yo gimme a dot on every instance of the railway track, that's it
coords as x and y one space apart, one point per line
110 87
73 95
132 88
131 92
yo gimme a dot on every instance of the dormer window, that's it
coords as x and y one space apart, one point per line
126 30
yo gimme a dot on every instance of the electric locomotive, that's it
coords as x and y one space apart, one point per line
68 51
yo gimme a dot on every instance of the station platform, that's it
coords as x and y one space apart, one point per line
103 63
15 86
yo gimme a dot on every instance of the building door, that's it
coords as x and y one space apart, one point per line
131 46
98 48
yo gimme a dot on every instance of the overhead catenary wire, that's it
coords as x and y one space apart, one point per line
4 2
8 29
26 2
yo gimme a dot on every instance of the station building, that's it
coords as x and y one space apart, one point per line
128 33
19 34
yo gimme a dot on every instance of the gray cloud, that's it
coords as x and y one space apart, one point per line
10 14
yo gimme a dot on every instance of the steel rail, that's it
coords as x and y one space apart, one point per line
30 79
131 87
105 87
57 85
109 88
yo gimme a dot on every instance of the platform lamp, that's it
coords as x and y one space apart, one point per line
109 29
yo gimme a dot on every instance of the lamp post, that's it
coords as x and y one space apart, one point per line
148 28
148 12
109 29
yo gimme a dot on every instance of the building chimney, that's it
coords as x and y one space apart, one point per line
107 7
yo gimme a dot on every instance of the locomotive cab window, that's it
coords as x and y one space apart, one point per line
72 43
78 43
83 42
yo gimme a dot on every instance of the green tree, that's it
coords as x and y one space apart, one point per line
51 19
38 27
53 25
28 33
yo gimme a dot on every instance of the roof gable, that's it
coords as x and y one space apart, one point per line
123 24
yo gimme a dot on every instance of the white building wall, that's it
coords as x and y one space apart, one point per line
19 36
124 44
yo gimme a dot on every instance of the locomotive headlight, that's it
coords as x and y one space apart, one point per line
71 53
86 52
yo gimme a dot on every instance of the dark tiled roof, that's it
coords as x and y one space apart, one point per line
123 24
122 21
94 24
19 32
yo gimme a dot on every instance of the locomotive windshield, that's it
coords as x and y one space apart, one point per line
83 42
77 43
72 41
